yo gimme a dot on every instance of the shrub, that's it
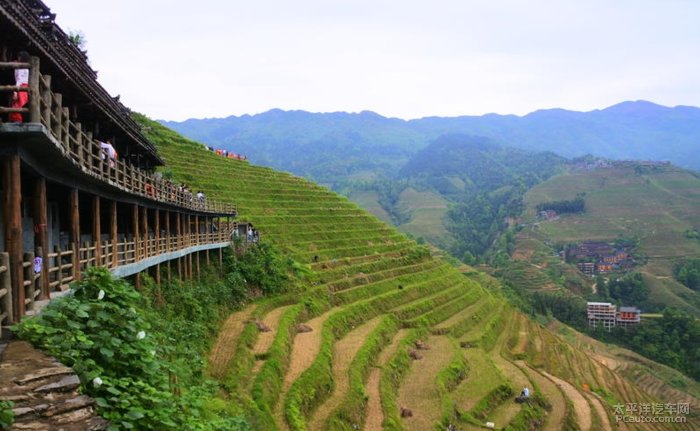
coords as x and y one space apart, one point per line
7 416
102 331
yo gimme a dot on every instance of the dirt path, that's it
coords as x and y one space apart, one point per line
600 410
554 395
581 407
225 345
304 350
265 339
418 391
521 345
507 411
344 352
375 416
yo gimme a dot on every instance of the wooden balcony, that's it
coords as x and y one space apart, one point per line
126 257
45 109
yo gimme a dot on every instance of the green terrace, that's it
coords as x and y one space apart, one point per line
375 297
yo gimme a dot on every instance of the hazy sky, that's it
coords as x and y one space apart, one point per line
176 60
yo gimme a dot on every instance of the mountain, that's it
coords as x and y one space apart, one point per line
328 146
387 326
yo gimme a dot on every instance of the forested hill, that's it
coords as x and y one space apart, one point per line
457 163
340 144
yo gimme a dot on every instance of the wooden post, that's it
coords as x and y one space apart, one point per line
144 225
12 216
167 233
178 232
28 283
46 97
179 268
189 267
6 285
96 230
113 233
40 236
158 274
156 232
198 236
221 260
57 112
135 223
34 95
75 231
137 281
65 126
79 143
197 257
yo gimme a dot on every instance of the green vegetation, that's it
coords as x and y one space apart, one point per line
6 414
673 340
688 273
128 358
362 273
574 206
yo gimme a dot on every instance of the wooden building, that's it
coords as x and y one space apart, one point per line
68 201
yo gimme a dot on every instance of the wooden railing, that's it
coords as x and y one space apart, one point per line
5 290
46 107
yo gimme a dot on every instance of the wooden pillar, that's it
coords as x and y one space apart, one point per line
158 274
137 281
12 216
97 230
206 257
196 230
113 233
144 226
34 104
179 268
221 260
189 267
74 199
168 272
197 258
135 224
167 233
178 232
40 236
156 233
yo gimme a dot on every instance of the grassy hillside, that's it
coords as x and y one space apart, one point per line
654 206
373 296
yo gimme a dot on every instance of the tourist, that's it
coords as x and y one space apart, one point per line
20 98
250 233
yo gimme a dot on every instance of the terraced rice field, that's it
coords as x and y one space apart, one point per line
373 296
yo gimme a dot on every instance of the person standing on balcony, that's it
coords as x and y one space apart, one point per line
20 98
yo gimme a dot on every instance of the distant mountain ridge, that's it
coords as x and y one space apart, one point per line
342 143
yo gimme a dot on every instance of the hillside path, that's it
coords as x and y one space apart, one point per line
555 418
265 339
581 407
375 416
225 344
344 352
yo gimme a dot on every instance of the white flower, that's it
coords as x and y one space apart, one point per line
141 335
97 381
153 352
100 295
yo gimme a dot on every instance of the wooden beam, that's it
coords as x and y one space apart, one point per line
12 216
197 235
96 230
197 258
158 274
113 233
74 200
178 233
40 236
